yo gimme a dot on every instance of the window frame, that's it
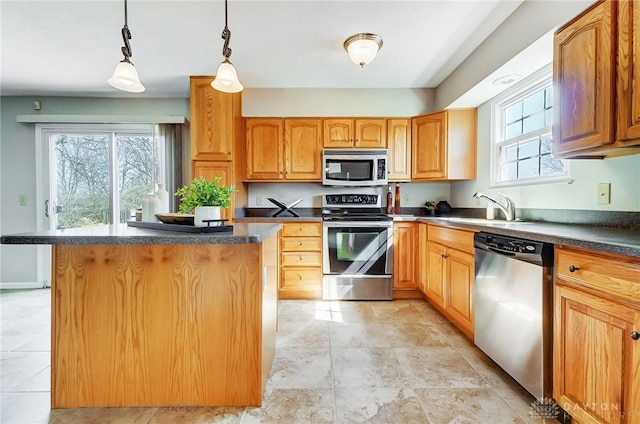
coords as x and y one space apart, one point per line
538 81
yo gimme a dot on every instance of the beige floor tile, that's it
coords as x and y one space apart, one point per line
378 406
286 406
350 312
312 333
102 415
472 406
367 367
359 335
197 415
398 310
407 333
297 310
437 367
301 368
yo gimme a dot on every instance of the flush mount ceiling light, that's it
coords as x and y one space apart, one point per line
363 48
125 77
226 78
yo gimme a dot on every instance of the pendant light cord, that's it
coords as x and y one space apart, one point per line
226 35
126 36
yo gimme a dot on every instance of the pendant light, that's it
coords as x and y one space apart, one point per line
363 48
125 77
226 78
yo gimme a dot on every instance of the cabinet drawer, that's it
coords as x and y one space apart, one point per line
302 259
615 275
294 244
307 229
457 239
299 278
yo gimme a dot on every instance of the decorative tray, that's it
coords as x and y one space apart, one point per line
181 227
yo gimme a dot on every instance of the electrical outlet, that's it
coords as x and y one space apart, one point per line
22 199
407 199
604 193
258 200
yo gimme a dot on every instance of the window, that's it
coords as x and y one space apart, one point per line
521 135
99 174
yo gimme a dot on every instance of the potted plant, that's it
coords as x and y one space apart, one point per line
430 206
204 199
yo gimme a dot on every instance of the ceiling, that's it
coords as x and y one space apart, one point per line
70 48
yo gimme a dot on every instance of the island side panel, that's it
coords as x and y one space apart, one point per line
271 268
154 325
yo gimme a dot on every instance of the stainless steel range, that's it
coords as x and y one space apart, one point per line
357 248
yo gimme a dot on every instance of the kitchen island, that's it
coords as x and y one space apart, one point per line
145 317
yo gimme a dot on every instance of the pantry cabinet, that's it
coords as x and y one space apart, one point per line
361 133
212 169
215 120
283 149
595 72
444 145
596 343
451 274
301 260
405 255
399 148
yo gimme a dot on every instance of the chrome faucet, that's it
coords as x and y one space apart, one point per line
509 210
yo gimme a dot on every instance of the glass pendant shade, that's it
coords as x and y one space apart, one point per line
363 48
125 78
227 79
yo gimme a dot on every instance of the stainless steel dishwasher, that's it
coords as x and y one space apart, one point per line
514 308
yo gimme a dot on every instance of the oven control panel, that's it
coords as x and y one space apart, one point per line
351 200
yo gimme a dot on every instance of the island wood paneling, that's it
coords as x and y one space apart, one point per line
156 325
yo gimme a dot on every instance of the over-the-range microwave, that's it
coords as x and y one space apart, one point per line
354 167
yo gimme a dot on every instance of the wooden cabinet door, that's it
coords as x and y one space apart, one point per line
628 71
213 116
435 283
423 254
405 254
209 170
596 362
370 133
338 133
399 146
429 143
264 149
460 276
303 149
583 75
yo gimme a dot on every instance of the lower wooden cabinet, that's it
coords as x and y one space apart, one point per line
301 260
596 336
405 255
211 169
451 274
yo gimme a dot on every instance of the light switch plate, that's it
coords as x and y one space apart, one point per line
604 193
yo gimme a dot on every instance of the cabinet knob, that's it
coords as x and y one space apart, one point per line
573 268
300 244
635 335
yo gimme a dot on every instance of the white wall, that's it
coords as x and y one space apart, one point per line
364 102
623 174
17 164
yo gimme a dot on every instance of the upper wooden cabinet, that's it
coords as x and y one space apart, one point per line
364 133
596 97
443 145
215 120
399 146
284 149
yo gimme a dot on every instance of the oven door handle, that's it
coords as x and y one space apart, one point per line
347 224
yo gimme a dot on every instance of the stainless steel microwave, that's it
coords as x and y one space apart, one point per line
354 167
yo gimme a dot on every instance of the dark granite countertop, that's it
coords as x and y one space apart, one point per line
623 241
123 234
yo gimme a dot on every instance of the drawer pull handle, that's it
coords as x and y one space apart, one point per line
635 335
300 244
573 268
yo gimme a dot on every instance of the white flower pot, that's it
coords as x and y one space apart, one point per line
206 212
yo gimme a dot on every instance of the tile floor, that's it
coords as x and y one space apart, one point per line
336 362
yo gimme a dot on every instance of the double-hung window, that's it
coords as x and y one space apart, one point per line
521 135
